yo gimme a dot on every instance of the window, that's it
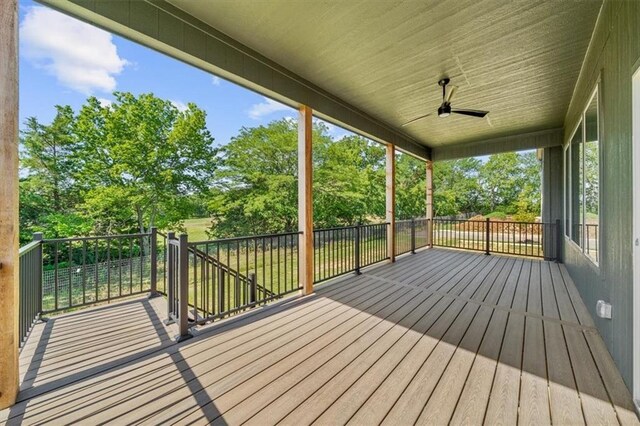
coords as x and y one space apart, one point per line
576 186
591 179
582 182
567 192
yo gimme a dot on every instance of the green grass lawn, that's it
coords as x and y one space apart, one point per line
196 228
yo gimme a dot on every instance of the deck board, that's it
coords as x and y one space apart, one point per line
442 336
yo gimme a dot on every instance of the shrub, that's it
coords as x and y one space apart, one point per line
524 217
497 215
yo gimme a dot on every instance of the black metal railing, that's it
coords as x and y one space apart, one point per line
231 275
334 251
410 235
532 239
339 251
177 284
161 262
87 270
372 244
208 280
30 277
591 243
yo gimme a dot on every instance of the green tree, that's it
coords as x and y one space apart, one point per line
255 188
591 177
529 200
410 187
348 180
140 160
47 159
456 188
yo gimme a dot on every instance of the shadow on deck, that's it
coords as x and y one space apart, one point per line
440 336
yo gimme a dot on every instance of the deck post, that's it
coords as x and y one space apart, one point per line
305 198
183 289
487 242
38 236
9 286
221 291
429 210
253 288
171 276
391 201
413 236
558 236
153 256
356 251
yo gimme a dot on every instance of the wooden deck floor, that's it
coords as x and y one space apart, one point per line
438 337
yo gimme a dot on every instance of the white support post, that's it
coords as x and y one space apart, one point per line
9 291
305 198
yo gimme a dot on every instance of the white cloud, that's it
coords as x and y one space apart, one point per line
268 107
215 80
105 103
335 132
181 106
80 56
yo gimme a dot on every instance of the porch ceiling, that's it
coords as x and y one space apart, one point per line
518 59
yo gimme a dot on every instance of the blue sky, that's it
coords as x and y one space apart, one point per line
62 61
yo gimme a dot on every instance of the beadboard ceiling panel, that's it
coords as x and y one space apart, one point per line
518 59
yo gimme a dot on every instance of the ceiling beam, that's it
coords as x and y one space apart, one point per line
508 143
167 29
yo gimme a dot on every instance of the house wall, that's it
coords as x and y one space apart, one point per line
613 55
552 191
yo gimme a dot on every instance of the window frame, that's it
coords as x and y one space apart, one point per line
568 179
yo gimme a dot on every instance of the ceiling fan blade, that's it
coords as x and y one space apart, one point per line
471 112
416 119
452 90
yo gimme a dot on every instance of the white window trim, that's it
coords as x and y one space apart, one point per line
568 235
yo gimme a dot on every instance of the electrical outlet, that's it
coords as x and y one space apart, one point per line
603 309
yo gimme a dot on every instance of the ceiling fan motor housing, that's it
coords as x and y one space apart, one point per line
444 110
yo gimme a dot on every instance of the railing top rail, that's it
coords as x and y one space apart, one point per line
252 237
513 222
510 222
212 260
362 225
101 237
416 219
336 228
29 247
365 225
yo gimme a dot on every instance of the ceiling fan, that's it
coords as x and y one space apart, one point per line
445 108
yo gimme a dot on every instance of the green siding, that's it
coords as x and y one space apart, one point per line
613 52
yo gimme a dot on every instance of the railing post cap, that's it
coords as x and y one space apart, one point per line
37 236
